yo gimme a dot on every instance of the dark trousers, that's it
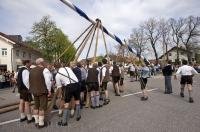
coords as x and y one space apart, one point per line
168 84
1 84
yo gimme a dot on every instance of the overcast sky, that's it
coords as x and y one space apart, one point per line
118 16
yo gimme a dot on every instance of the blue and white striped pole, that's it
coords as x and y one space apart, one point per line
81 13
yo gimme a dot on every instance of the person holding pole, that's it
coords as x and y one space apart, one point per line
40 87
66 78
23 89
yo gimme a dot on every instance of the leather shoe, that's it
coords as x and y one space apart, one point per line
78 118
191 100
182 94
23 119
32 120
60 123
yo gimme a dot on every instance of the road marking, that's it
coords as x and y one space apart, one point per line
138 92
7 122
15 120
2 98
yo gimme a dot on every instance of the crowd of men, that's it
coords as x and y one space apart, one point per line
75 86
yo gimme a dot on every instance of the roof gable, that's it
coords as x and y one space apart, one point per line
7 39
17 41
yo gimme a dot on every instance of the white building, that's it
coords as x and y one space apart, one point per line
13 51
172 55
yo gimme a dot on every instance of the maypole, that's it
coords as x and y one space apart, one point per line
83 14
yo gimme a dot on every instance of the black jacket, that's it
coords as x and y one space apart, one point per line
167 70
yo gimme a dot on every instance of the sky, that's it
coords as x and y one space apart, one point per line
118 16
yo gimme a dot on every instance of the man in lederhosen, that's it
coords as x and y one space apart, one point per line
66 78
121 82
83 83
93 85
104 79
115 73
23 89
40 87
186 72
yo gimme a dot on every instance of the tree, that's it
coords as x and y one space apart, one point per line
165 36
138 41
190 33
60 42
151 29
50 40
177 29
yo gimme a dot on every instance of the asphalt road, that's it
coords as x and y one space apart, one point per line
161 113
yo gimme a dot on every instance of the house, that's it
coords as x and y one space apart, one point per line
13 51
172 55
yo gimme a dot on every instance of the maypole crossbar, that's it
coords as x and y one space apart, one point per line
83 14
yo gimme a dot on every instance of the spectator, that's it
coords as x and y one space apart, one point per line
2 79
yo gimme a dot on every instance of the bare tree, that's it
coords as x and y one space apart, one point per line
190 33
165 36
138 41
151 30
176 32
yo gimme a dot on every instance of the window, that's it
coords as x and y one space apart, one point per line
182 53
193 59
170 54
4 52
17 53
29 55
24 54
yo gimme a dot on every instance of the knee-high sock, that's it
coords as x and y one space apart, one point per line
78 110
22 116
93 101
82 98
190 93
65 117
29 117
97 100
36 118
182 88
41 120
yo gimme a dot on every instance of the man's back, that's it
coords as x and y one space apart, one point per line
186 70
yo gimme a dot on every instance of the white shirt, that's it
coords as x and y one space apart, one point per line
64 81
103 70
48 77
25 78
186 70
132 68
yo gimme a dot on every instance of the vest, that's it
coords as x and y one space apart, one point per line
20 84
107 75
77 72
92 75
37 81
115 71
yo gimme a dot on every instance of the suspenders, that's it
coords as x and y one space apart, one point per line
70 79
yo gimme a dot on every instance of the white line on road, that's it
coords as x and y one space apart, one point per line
138 92
15 120
7 122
